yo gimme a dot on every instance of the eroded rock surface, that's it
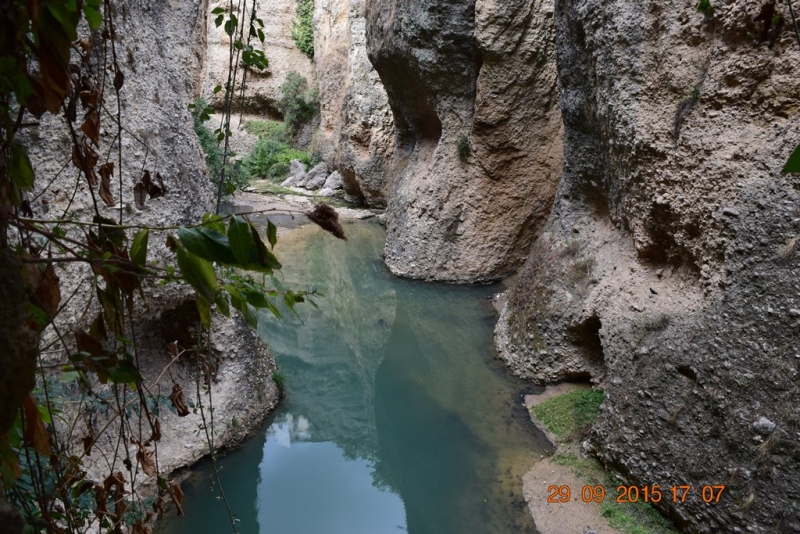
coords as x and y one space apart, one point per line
356 134
262 92
157 137
668 268
472 88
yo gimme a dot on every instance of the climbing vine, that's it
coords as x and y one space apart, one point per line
303 29
50 65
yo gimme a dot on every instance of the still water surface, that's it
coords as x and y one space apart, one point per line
396 416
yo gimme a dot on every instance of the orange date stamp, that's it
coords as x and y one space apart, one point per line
631 494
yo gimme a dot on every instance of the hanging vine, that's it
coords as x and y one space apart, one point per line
48 65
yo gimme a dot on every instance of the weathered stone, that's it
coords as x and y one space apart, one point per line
475 166
316 177
764 426
334 181
669 120
356 133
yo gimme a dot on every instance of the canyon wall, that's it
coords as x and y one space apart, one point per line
477 147
262 88
161 49
667 271
356 133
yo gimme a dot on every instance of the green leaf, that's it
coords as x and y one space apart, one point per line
265 257
69 376
209 244
257 299
20 169
204 309
243 307
124 373
38 315
217 89
241 240
139 247
217 11
272 234
199 273
91 10
222 304
793 163
218 20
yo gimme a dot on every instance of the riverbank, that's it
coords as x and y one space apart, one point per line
557 517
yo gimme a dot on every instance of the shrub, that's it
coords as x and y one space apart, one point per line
274 130
302 27
298 103
270 159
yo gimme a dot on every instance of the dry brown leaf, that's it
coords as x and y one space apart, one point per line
106 173
35 434
88 442
100 501
147 459
91 125
140 528
139 195
178 402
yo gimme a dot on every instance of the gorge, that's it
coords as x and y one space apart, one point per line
618 165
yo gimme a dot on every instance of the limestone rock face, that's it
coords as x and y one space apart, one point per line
472 88
667 270
262 92
356 134
158 136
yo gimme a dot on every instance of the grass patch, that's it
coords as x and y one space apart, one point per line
633 518
570 415
273 189
280 381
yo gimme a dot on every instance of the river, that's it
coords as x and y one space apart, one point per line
396 415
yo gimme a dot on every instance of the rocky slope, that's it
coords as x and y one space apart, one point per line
472 89
356 133
667 271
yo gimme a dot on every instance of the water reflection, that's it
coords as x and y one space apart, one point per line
396 416
312 487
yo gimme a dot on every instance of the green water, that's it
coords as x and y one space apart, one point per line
396 416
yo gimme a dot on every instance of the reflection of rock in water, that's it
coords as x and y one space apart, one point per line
417 456
332 356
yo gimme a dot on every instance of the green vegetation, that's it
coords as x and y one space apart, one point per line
270 159
272 154
299 103
570 415
273 130
463 148
302 27
280 380
236 177
634 518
